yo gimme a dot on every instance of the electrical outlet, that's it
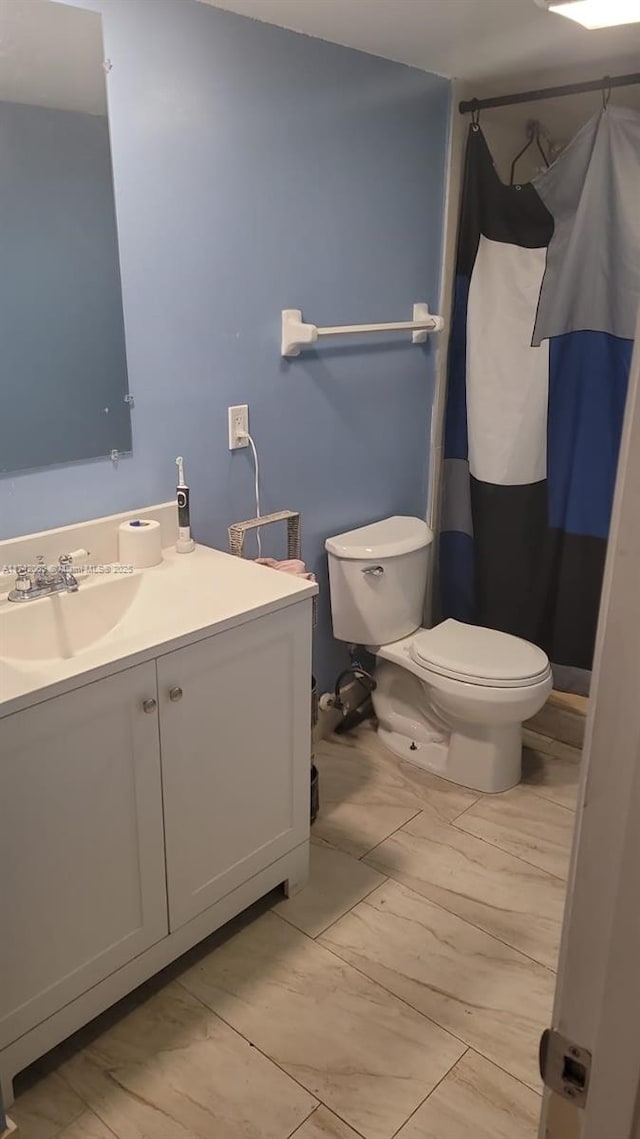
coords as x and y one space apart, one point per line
238 426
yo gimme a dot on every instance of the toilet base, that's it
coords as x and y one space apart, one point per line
490 765
483 757
490 760
429 755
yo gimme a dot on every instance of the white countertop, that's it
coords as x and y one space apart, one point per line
185 598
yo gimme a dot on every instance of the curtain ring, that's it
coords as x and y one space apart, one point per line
606 91
475 117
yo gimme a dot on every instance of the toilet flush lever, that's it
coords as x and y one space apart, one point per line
374 571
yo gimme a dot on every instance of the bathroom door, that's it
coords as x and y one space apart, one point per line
598 991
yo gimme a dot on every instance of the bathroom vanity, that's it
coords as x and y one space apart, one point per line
154 772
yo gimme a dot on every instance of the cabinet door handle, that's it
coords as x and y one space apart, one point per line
149 705
175 694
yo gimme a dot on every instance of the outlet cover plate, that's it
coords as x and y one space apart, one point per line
238 426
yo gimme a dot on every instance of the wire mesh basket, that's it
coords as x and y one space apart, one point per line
239 530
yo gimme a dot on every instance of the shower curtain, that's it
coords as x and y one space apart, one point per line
546 296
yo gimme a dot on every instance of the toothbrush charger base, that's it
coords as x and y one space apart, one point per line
185 546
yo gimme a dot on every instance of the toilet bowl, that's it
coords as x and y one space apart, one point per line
451 699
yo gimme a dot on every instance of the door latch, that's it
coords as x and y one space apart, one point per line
565 1067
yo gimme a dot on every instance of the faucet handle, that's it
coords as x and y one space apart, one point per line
23 581
65 562
74 556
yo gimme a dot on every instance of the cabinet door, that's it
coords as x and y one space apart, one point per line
235 755
82 884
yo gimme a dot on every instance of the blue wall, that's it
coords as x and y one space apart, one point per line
61 327
255 170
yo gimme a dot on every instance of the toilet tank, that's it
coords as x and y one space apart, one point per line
378 579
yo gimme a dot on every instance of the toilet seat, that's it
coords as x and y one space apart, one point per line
475 655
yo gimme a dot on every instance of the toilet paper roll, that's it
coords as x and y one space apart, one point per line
139 543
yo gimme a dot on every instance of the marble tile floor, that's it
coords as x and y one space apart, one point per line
402 993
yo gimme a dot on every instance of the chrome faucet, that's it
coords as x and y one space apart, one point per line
42 581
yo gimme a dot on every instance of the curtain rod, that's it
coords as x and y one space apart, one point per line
604 84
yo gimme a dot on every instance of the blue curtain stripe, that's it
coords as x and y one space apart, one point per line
588 378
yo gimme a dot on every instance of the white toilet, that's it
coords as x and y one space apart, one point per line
451 699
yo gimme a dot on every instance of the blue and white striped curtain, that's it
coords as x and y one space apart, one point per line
547 294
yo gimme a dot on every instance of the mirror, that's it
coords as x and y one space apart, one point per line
64 388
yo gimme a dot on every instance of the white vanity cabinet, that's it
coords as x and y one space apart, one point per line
82 882
234 721
140 812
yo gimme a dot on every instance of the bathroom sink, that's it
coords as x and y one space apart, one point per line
116 618
65 625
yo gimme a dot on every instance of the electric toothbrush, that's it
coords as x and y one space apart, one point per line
185 543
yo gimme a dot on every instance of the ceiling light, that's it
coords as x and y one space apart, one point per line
598 13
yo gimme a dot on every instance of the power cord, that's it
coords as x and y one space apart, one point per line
358 673
247 436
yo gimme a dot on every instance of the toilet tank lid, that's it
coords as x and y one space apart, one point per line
385 539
